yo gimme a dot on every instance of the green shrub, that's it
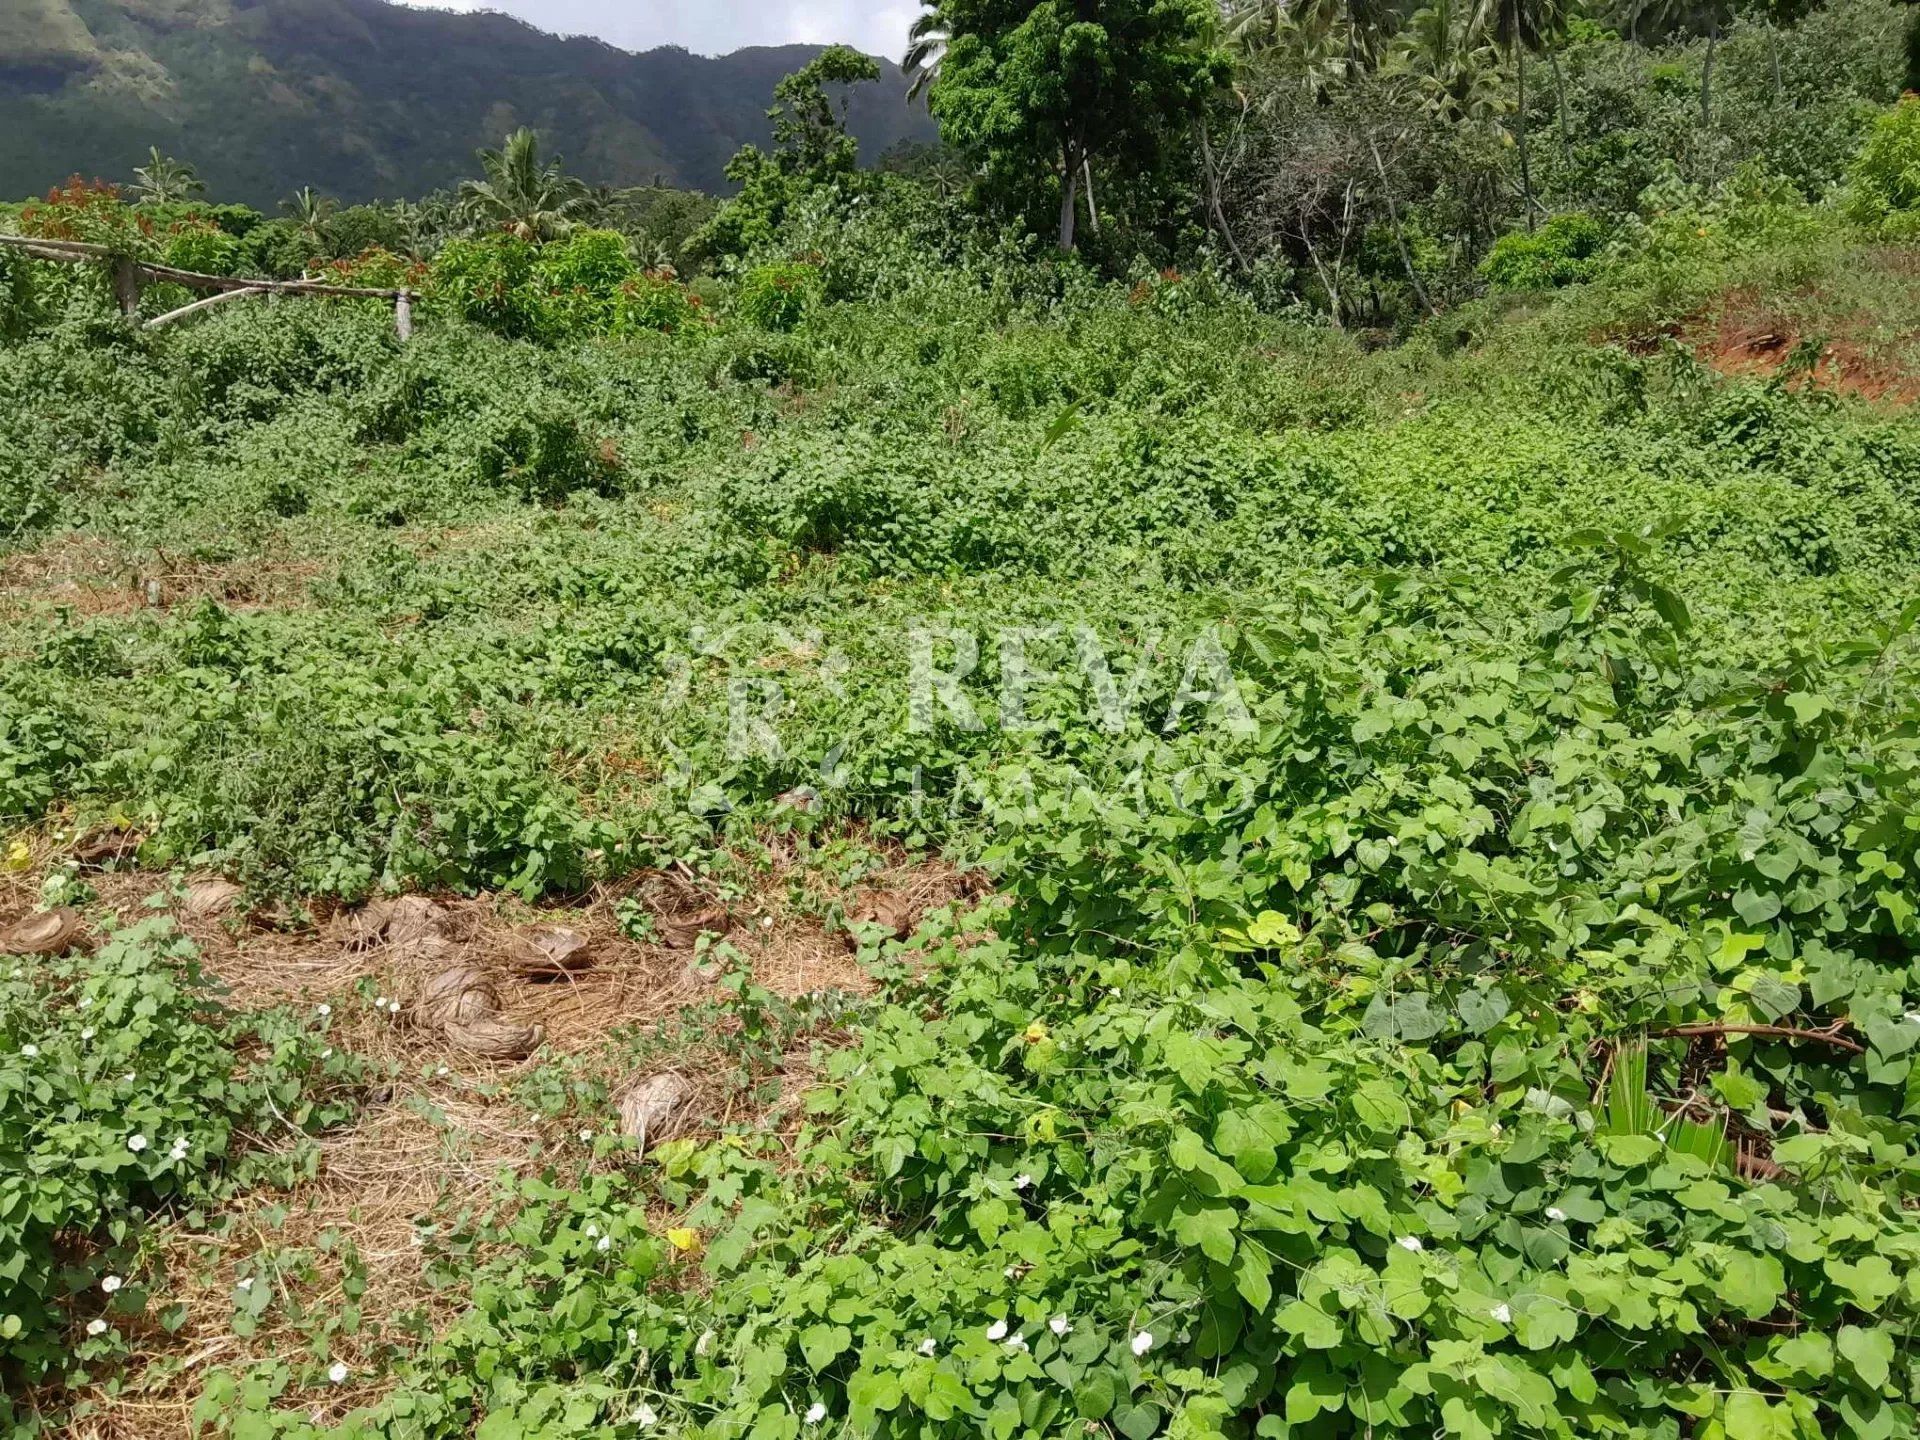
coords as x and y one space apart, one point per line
1883 185
491 282
583 276
1564 251
125 1091
777 296
202 246
653 301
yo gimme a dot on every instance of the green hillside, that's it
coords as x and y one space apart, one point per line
366 99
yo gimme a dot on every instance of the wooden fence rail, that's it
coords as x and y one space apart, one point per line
130 274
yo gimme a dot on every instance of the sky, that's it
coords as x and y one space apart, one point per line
713 27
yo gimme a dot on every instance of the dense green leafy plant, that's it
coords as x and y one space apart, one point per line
1883 187
1564 251
777 296
126 1093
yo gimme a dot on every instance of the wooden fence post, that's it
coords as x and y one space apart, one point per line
126 285
403 316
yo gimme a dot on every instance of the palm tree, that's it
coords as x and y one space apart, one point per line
1519 27
164 180
523 196
1452 68
311 211
926 49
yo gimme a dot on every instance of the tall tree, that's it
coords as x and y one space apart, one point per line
1037 90
531 198
1520 28
164 180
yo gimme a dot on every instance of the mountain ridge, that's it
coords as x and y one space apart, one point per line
364 99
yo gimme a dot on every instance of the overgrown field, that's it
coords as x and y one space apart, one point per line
1439 950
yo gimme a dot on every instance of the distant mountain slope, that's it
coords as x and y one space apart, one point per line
361 98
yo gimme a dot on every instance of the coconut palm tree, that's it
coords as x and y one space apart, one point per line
164 180
926 48
311 211
1520 28
522 195
1453 70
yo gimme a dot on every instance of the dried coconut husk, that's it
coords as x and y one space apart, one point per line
406 920
895 914
106 846
460 995
52 932
209 898
549 953
685 934
657 1109
495 1037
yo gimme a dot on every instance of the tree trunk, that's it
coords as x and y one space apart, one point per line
1399 236
1069 196
1526 171
1706 75
1212 177
1093 211
1560 102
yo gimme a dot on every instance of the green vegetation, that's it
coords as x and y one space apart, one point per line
1434 718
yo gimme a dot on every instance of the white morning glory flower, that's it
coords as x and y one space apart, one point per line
603 1244
644 1416
246 1282
111 1284
30 1051
1060 1325
1410 1243
1017 1342
1554 1212
997 1330
136 1143
96 1327
593 1229
337 1372
1142 1342
816 1412
323 1010
87 1034
1022 1181
1502 1313
927 1346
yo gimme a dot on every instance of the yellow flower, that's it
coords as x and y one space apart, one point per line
1701 232
683 1239
1036 1031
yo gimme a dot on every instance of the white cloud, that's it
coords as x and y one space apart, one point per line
713 27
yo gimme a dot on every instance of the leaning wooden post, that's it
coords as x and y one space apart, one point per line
126 285
403 316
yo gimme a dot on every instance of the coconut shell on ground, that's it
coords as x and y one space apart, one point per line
657 1109
106 846
53 932
549 953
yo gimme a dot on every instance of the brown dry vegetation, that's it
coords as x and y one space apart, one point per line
441 1127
